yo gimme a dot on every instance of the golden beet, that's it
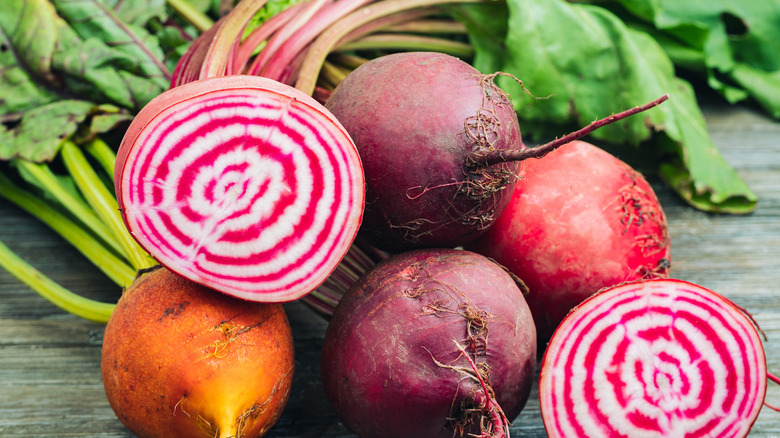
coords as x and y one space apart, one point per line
182 360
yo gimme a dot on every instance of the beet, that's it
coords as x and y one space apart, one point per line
182 360
440 145
654 358
415 118
579 220
242 184
402 347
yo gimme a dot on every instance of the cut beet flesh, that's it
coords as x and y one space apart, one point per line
242 184
657 358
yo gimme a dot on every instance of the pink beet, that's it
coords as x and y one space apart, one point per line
579 220
242 184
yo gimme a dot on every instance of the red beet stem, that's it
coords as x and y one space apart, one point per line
775 379
321 47
503 156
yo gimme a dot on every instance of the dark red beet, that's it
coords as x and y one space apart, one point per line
415 118
401 350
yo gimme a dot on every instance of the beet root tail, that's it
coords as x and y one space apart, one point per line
497 423
502 156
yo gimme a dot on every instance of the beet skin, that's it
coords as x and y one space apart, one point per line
580 220
416 118
401 349
183 360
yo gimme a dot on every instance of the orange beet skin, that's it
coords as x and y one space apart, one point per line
182 360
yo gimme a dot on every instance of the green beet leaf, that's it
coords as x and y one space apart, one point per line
94 21
92 70
77 68
29 32
26 139
738 43
581 62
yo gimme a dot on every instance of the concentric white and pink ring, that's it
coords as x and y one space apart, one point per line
665 358
245 190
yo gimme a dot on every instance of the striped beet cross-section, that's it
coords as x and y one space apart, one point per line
243 185
659 358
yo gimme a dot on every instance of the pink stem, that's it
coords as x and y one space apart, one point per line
318 305
360 258
285 67
503 156
384 23
322 46
217 61
188 67
262 33
775 379
429 26
321 95
291 70
397 41
291 47
305 18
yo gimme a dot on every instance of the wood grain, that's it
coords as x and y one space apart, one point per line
50 361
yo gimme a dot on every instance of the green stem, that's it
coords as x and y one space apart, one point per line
116 269
429 26
47 180
103 154
322 46
104 203
333 74
191 15
409 42
49 289
348 61
227 37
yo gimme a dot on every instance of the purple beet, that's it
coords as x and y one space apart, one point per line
415 118
430 343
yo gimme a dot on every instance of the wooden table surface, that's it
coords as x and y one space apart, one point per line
50 382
